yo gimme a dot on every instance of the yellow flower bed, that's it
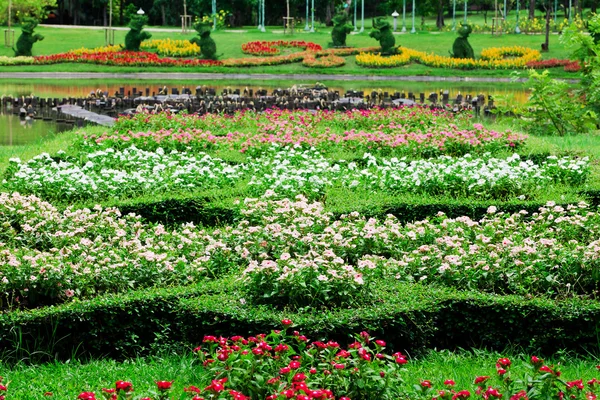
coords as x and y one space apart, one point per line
21 60
172 48
492 58
103 49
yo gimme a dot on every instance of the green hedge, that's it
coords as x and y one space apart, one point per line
408 317
207 211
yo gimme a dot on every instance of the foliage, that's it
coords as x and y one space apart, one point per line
23 8
587 52
27 38
341 28
136 36
207 45
461 47
382 32
220 17
554 109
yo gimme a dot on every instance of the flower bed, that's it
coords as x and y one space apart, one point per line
289 171
410 131
268 48
569 65
171 48
493 58
50 256
291 366
326 61
124 58
4 60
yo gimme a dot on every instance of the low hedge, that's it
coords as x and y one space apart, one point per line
409 317
205 210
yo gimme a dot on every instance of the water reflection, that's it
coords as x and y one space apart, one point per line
59 89
19 131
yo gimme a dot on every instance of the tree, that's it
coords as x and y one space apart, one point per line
20 8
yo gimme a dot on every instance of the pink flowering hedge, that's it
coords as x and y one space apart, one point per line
416 131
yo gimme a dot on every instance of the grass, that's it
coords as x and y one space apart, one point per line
229 45
67 380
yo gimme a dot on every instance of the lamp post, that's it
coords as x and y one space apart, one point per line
453 15
413 30
517 29
312 15
403 15
395 16
355 4
504 11
261 16
306 27
214 13
362 15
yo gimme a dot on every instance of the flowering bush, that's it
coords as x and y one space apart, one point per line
289 171
50 256
172 48
493 58
221 18
407 131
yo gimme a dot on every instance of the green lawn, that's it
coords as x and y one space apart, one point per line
229 46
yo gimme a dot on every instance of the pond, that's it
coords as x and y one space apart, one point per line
16 131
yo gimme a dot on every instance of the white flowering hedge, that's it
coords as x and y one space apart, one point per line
288 171
292 252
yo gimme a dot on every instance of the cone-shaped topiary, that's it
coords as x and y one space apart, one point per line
461 47
382 31
207 45
135 36
341 28
27 38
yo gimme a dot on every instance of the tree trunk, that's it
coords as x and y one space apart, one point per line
104 16
439 22
163 15
546 45
329 11
531 9
575 8
594 6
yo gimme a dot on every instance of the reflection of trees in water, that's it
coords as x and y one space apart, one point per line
16 131
74 89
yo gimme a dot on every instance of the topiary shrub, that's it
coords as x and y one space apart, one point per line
135 36
383 33
341 28
208 47
27 38
461 47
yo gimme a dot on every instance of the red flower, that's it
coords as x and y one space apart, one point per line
578 384
463 394
299 377
124 386
492 392
449 382
504 362
86 396
426 384
380 343
294 365
192 389
285 370
481 379
401 360
519 395
535 360
164 385
286 322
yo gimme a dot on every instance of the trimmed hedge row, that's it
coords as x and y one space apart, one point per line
203 211
409 317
